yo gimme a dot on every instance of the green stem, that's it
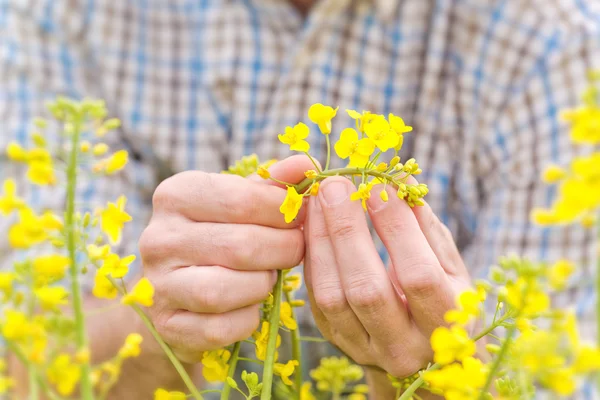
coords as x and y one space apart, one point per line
170 355
496 364
38 377
87 391
33 385
267 378
231 373
313 161
410 391
343 171
328 152
296 351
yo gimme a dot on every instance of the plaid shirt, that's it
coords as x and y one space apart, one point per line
200 83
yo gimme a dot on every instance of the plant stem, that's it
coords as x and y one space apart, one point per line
328 152
170 355
313 161
231 373
343 171
33 385
267 378
496 364
87 392
296 351
40 380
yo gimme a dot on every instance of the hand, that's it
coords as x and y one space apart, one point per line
211 251
379 318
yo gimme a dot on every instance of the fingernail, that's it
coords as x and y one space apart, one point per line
376 202
335 192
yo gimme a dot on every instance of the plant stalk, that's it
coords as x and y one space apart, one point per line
268 370
296 351
231 373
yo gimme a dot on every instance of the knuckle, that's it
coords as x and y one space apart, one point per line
211 298
421 283
329 300
164 194
366 294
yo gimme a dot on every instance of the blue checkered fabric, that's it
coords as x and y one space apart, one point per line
200 83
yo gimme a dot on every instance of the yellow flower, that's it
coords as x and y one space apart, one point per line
15 152
380 132
117 161
6 384
261 339
9 201
64 374
305 392
469 305
131 348
384 196
31 228
363 193
322 116
100 149
361 119
314 189
15 326
285 370
263 173
559 273
85 146
103 287
291 204
451 345
357 396
6 283
215 365
51 297
286 316
142 293
398 124
50 268
41 173
553 173
527 296
96 253
162 394
585 124
294 137
117 267
458 381
113 218
359 150
311 174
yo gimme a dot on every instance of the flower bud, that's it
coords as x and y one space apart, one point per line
314 189
85 146
382 167
311 174
394 161
384 196
100 149
263 173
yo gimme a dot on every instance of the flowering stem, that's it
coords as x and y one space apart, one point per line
87 392
328 152
505 345
33 385
344 171
232 364
296 350
37 376
267 378
313 161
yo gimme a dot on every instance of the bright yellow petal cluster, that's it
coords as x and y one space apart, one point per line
9 201
294 137
378 129
451 344
469 306
113 219
585 124
286 370
32 229
162 394
527 296
115 163
261 339
39 161
64 374
51 298
50 268
286 316
322 116
117 267
363 194
103 287
142 294
7 280
131 348
291 204
458 381
215 367
358 150
558 274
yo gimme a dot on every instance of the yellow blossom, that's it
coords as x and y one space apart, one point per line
553 173
117 267
162 394
559 273
263 173
380 132
15 152
587 359
469 305
131 348
458 381
50 268
584 124
311 174
100 149
6 283
85 146
322 116
215 365
31 228
359 150
51 297
64 374
384 196
361 119
103 287
113 218
116 162
9 201
527 296
291 204
294 137
305 392
314 189
15 325
286 316
285 370
451 344
6 384
261 339
142 293
363 193
96 253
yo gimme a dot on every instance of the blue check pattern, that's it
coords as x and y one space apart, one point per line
200 83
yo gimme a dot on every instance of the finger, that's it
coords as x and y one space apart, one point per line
235 246
206 197
190 334
421 277
335 318
215 289
290 170
363 275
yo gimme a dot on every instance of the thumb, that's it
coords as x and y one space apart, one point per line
289 170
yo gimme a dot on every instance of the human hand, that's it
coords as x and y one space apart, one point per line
379 318
211 251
